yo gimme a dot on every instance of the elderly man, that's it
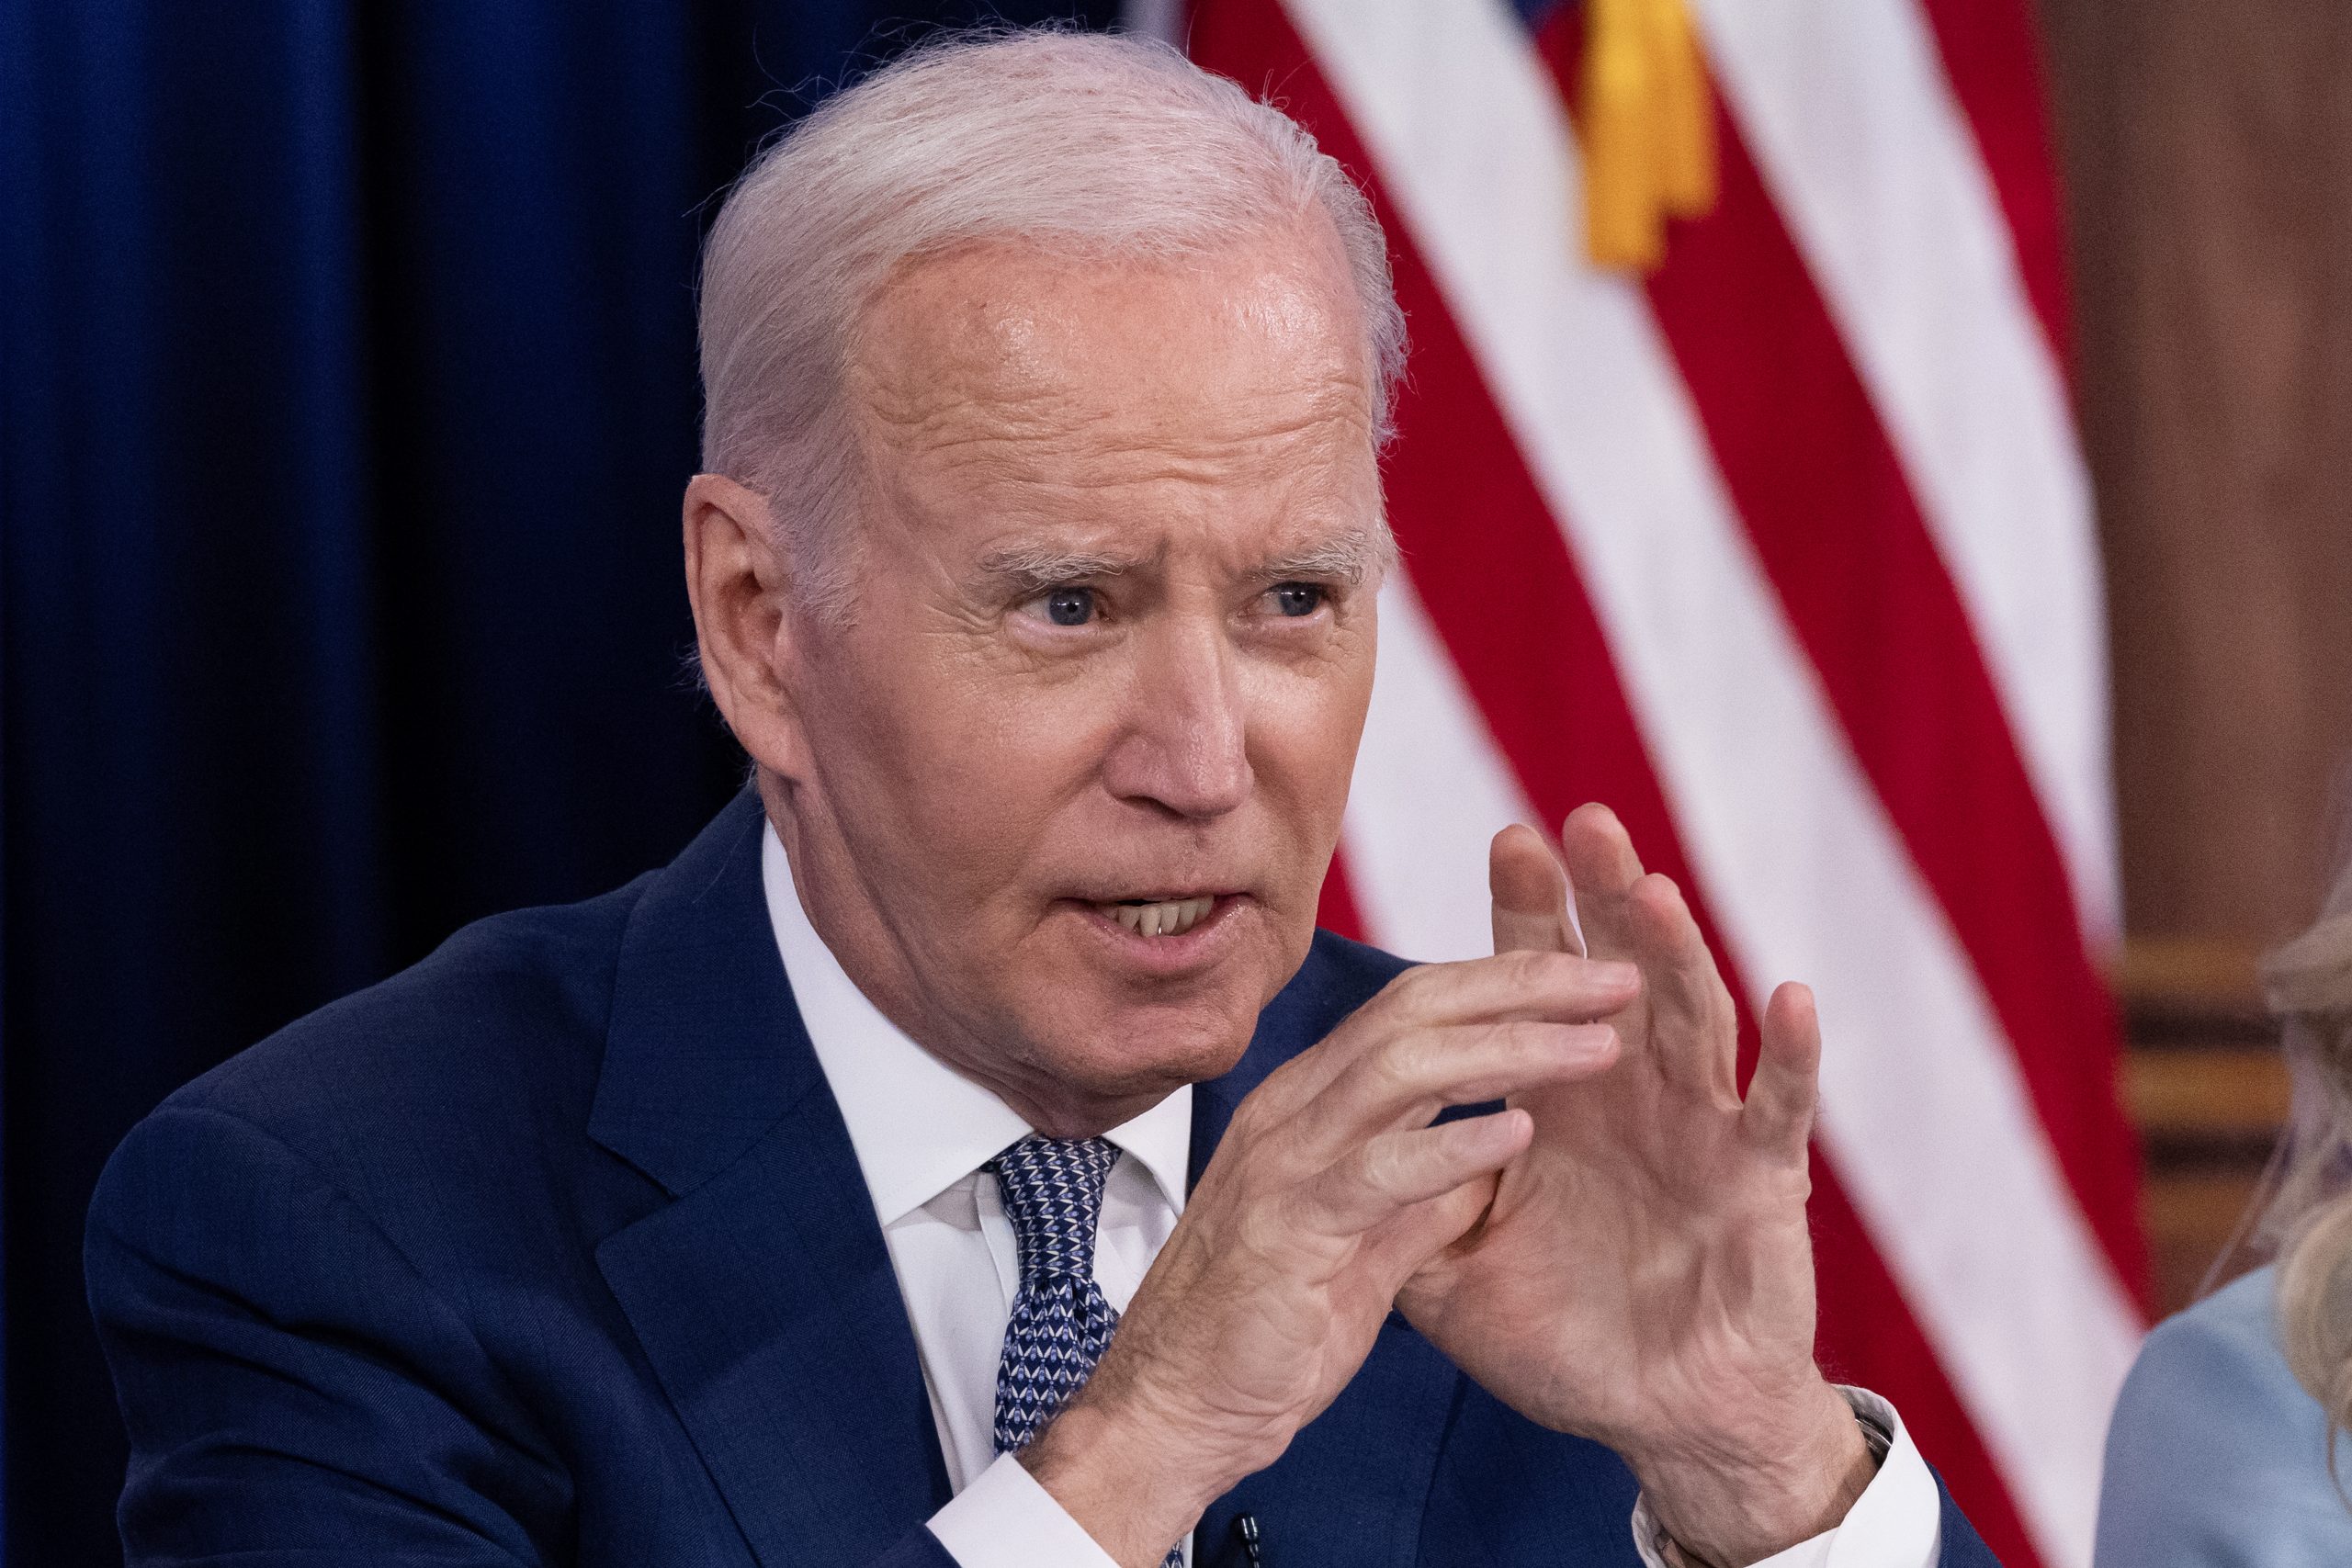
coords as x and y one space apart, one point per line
967 1151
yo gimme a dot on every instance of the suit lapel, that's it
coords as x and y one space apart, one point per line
1353 1484
763 1294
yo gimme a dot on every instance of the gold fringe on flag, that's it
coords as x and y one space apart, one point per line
1649 128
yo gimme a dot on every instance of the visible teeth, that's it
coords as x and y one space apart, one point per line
1169 918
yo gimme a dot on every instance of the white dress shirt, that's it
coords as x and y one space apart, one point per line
922 1131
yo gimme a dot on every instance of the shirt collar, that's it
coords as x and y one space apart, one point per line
920 1126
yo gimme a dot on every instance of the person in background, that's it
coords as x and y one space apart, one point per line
2224 1449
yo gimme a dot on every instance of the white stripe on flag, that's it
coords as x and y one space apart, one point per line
1431 788
1926 1116
1869 157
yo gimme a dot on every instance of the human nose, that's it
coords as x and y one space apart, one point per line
1184 746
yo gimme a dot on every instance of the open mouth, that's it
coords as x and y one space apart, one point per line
1160 917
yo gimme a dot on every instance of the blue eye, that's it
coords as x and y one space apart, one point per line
1070 606
1297 598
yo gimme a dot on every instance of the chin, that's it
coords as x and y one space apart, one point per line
1116 1031
1129 1049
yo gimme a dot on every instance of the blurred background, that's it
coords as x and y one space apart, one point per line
347 388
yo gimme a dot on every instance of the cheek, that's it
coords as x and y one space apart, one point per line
961 770
1305 729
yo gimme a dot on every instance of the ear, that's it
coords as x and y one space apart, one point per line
744 623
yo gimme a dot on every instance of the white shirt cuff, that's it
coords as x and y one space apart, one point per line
1897 1522
1004 1520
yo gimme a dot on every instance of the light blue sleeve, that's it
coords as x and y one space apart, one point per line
2217 1457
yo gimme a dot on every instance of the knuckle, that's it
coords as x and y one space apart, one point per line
1533 970
1243 1128
1412 992
1403 1065
1539 967
1264 1229
1531 1043
1382 1165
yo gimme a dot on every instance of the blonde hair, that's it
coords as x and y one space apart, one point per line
2307 984
1098 145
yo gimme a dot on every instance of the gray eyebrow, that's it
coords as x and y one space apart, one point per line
1352 557
1046 566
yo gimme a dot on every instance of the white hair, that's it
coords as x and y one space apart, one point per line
1089 143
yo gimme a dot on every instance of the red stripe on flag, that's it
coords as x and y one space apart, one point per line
1335 909
1867 1337
1495 576
1818 485
1993 62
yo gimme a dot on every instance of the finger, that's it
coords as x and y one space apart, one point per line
1602 868
1414 1075
1531 895
1555 987
1396 1170
1778 1118
1530 983
1419 1232
1694 1029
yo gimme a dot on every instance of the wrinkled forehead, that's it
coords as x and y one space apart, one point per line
1005 361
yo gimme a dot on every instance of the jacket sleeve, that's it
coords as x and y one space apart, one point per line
295 1391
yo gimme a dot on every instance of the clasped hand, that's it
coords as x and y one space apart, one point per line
1621 1252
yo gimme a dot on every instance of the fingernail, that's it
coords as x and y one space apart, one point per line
1595 1039
1611 972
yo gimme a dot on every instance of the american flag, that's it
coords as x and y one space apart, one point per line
1784 549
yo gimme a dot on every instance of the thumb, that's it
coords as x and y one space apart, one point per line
1531 895
1416 1249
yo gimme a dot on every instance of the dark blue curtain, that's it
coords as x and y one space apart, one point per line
346 392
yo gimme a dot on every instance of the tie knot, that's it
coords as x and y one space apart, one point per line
1053 1196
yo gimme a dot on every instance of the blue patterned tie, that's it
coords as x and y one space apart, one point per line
1060 1322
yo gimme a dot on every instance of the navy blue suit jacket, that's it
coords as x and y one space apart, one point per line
553 1250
